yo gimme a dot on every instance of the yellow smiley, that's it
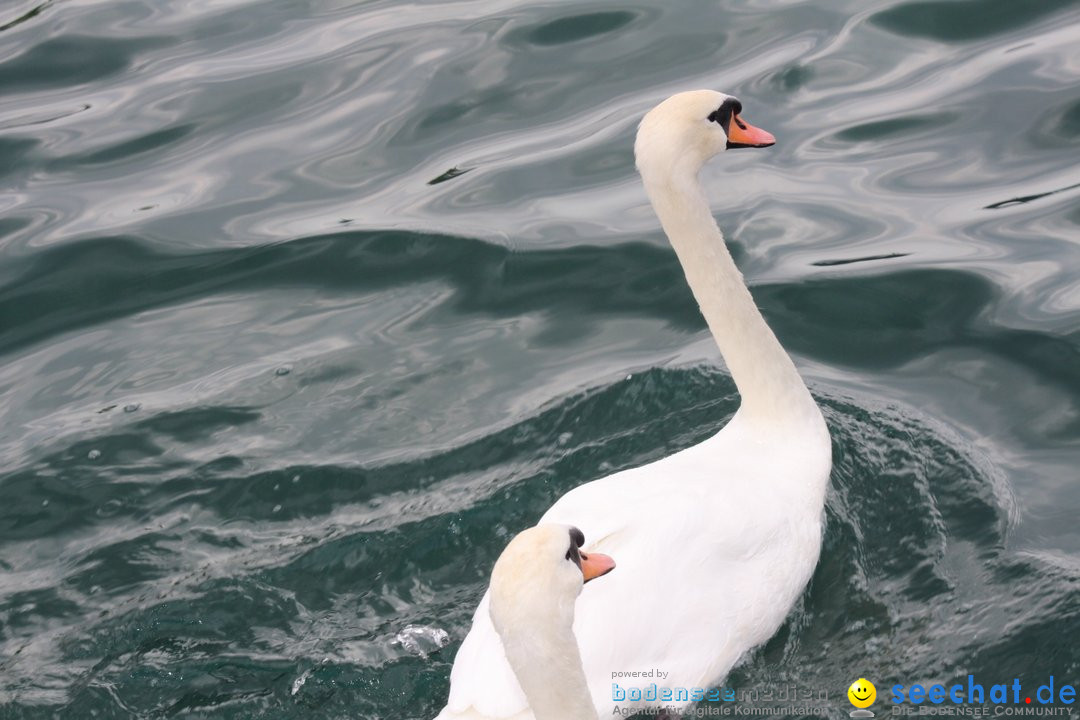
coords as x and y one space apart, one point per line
862 693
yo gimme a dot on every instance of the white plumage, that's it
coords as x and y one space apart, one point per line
714 543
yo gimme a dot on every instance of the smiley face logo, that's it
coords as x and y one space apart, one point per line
862 693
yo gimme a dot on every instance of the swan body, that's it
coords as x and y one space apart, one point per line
744 508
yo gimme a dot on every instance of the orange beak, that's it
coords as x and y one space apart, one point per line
593 565
742 134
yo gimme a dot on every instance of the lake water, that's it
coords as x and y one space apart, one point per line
307 306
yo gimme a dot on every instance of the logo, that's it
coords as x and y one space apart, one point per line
862 694
1004 698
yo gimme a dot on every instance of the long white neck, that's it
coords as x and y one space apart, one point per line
543 653
768 382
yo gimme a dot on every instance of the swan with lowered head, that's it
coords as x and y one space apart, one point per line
534 586
716 542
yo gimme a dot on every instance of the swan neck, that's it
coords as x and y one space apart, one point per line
769 385
545 658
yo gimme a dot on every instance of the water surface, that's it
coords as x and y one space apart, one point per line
306 307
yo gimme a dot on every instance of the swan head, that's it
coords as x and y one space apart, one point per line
538 577
686 130
534 587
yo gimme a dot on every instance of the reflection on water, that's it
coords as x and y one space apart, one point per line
306 308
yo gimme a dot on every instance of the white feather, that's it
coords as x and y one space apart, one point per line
715 543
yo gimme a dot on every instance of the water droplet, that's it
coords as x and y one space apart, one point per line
277 508
295 479
421 640
277 486
629 376
283 370
93 455
299 682
44 503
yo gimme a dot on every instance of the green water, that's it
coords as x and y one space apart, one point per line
307 306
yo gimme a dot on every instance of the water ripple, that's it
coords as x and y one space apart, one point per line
306 308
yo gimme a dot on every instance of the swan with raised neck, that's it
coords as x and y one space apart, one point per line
672 147
744 508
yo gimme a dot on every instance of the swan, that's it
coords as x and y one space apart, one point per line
534 586
715 542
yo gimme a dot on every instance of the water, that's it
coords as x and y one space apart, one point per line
307 307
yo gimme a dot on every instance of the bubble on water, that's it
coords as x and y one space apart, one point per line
299 682
283 370
421 640
109 508
93 455
132 407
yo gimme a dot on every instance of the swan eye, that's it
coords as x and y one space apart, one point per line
577 539
728 109
573 555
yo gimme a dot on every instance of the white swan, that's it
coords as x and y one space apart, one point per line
716 542
534 586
